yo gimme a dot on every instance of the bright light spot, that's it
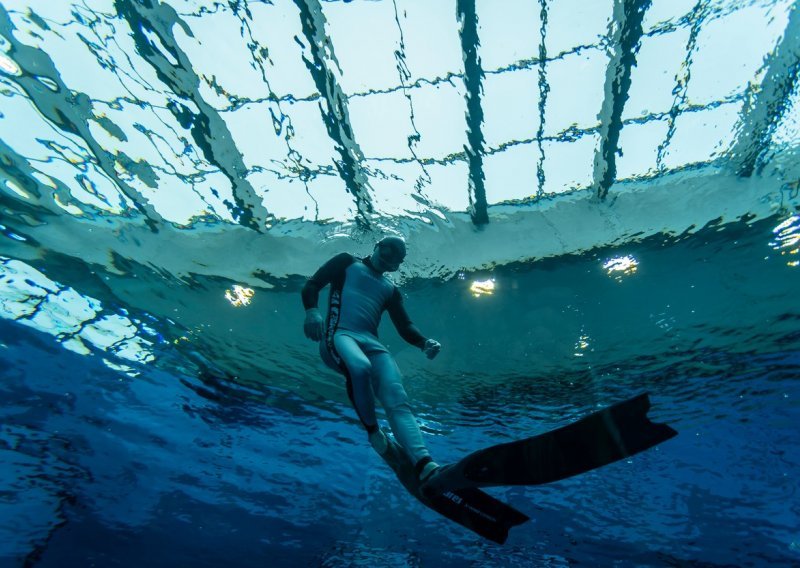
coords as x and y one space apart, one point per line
130 371
49 83
44 180
9 66
239 296
33 300
108 331
76 345
17 189
787 238
581 345
69 208
482 287
621 265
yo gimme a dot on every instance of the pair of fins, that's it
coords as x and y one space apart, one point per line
601 438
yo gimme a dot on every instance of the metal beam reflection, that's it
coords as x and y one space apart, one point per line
473 75
544 89
697 18
207 127
336 116
625 33
69 111
766 106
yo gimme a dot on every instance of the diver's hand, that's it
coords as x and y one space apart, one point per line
314 326
431 348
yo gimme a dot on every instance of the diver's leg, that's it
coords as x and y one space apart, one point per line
388 384
358 373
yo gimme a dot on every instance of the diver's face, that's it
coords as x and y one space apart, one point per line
388 258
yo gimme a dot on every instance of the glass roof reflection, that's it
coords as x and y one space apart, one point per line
342 111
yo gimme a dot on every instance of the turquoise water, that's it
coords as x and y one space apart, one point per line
168 466
596 202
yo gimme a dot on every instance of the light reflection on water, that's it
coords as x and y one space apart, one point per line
787 240
621 266
79 323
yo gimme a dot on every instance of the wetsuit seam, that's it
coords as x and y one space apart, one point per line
337 291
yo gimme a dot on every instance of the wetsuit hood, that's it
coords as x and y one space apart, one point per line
388 254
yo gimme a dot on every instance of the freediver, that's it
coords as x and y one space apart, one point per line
348 342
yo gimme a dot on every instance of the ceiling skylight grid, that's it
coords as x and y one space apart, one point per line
666 13
639 144
702 136
511 174
365 37
569 164
653 80
729 56
511 107
508 35
248 114
576 90
574 23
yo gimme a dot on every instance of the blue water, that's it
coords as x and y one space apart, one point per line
173 468
597 201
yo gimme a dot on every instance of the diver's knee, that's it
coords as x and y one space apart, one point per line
395 397
360 372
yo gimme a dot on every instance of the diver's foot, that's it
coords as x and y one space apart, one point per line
428 471
429 477
425 469
378 441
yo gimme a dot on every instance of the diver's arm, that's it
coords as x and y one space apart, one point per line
402 321
407 329
324 276
314 325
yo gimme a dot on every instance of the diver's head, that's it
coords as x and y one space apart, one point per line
388 254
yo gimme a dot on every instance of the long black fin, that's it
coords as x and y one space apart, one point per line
601 438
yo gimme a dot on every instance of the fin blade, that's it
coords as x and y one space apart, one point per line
599 439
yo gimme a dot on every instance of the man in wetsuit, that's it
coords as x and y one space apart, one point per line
348 342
